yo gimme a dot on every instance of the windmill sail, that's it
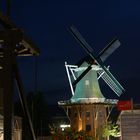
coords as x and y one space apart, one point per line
109 49
82 75
80 39
117 89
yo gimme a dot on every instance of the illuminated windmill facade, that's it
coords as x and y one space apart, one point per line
88 109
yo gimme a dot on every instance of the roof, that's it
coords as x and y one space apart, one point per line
88 87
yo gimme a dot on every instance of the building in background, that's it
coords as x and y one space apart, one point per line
130 123
17 128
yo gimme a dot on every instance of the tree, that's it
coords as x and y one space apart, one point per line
110 129
69 134
38 110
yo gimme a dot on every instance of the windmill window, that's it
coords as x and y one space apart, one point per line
88 127
75 114
86 82
87 114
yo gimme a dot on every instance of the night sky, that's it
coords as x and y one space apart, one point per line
46 22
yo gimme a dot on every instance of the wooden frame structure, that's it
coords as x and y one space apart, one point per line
13 43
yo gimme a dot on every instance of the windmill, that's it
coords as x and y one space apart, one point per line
87 102
13 43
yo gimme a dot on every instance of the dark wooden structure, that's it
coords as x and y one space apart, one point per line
13 43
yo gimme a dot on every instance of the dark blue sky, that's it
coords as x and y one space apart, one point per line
47 23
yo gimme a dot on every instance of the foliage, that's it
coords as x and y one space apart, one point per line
38 109
69 134
110 129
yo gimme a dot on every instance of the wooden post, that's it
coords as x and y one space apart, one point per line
10 39
8 92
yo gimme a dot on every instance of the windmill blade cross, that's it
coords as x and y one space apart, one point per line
110 48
